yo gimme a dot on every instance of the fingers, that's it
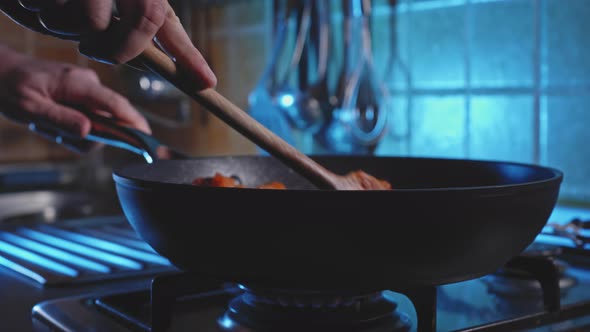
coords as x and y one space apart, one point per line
140 21
41 109
61 124
82 87
137 24
175 40
97 13
77 17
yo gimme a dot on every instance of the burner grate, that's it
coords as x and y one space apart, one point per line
77 251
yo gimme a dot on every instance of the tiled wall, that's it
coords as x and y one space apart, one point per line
493 79
486 79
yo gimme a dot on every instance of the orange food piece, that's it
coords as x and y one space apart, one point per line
219 180
369 182
272 185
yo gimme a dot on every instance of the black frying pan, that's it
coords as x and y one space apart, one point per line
445 221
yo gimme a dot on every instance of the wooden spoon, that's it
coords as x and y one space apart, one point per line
160 63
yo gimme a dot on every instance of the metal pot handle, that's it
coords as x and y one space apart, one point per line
108 131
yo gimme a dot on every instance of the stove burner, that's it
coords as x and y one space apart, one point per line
542 250
272 310
536 277
516 283
575 230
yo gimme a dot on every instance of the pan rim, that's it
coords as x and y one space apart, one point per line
555 179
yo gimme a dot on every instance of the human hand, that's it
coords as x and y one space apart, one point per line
40 93
138 22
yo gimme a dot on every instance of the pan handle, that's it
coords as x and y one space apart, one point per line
108 131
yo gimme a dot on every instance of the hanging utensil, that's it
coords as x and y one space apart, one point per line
292 95
260 100
315 99
359 120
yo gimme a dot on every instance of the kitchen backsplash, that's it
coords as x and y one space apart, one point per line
485 79
493 79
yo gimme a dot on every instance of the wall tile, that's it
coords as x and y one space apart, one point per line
567 142
220 17
253 51
501 128
438 126
395 141
390 47
436 47
565 42
502 53
249 12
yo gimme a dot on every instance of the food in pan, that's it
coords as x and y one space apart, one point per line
369 182
220 180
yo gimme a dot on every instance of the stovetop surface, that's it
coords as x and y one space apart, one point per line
460 306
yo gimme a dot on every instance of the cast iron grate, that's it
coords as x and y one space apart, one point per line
79 250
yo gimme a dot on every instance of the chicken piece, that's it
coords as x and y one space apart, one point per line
369 182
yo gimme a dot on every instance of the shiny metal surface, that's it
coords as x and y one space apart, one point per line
464 306
78 251
45 205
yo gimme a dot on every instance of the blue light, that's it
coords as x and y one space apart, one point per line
147 157
37 259
287 100
118 230
357 9
121 145
109 246
22 270
370 114
86 251
121 239
56 253
557 241
226 322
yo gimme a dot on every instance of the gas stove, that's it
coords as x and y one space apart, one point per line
547 288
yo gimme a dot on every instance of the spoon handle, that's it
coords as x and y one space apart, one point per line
161 64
